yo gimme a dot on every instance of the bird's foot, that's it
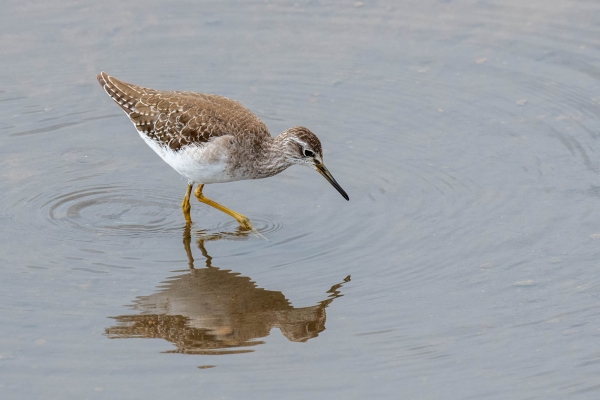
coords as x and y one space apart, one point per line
245 223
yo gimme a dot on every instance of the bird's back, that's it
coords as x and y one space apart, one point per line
177 119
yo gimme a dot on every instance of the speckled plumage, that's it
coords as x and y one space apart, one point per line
176 119
212 139
179 125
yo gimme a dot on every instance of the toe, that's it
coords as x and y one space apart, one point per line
245 223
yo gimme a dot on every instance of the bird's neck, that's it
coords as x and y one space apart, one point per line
274 159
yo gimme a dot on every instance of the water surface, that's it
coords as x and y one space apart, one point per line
464 266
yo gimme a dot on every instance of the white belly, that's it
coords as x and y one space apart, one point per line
199 164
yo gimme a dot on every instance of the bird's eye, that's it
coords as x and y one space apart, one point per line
308 153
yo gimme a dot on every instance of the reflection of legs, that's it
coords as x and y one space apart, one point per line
200 244
185 204
187 238
243 221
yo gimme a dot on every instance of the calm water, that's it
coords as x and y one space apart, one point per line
465 266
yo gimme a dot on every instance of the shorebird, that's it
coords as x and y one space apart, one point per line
213 139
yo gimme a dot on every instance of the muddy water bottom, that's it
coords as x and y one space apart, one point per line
464 265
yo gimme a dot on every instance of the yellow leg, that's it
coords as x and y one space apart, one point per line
243 221
185 204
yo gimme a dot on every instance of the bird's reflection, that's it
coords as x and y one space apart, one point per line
209 310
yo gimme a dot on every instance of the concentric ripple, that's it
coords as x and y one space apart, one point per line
263 223
121 210
114 210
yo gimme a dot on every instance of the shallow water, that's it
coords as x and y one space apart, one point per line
464 266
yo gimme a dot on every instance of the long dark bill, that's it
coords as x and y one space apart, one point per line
327 175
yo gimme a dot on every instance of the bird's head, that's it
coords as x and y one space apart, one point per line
303 147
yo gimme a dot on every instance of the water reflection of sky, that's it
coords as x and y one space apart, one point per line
465 133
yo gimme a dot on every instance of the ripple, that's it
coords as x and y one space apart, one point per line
86 213
263 223
114 210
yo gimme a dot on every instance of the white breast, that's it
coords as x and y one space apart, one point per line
203 163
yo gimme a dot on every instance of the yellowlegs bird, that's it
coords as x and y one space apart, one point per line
212 139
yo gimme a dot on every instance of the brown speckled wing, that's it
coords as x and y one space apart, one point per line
177 119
